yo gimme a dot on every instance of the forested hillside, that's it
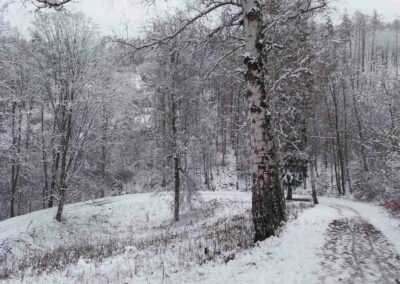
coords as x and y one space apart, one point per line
232 117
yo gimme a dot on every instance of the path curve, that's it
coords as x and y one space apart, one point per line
355 251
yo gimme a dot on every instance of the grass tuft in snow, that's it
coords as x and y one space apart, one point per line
212 232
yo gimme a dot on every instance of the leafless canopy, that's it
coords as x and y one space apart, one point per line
54 4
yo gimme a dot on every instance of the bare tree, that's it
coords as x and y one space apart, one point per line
68 58
256 18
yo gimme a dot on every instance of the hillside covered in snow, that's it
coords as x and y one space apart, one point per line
132 239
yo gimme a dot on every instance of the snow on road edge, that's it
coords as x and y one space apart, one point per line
290 258
375 215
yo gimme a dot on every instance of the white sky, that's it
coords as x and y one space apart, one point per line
110 15
389 9
114 15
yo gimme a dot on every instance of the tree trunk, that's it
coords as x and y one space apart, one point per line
337 171
289 195
313 157
333 127
44 161
397 48
176 160
360 134
103 149
363 38
164 136
313 188
340 155
65 140
54 166
340 164
265 206
205 167
345 142
13 190
16 160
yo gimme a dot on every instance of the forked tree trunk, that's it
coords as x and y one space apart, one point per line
265 206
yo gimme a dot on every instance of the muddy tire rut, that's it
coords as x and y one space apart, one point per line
356 252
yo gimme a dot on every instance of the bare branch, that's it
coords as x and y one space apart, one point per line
53 4
221 59
167 39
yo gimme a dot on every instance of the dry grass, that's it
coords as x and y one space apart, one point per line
196 241
393 206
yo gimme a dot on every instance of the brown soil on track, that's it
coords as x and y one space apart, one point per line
356 252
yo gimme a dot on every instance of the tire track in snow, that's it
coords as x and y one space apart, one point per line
356 252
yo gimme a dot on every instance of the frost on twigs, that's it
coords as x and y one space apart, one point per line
55 4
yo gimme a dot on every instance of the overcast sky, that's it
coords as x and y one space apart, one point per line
114 15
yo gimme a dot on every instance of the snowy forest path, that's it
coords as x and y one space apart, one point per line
355 251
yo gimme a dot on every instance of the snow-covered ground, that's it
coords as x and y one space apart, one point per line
209 245
297 255
90 221
115 225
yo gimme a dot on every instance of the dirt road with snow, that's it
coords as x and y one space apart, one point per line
355 251
338 241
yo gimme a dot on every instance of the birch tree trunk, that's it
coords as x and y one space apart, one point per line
263 168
